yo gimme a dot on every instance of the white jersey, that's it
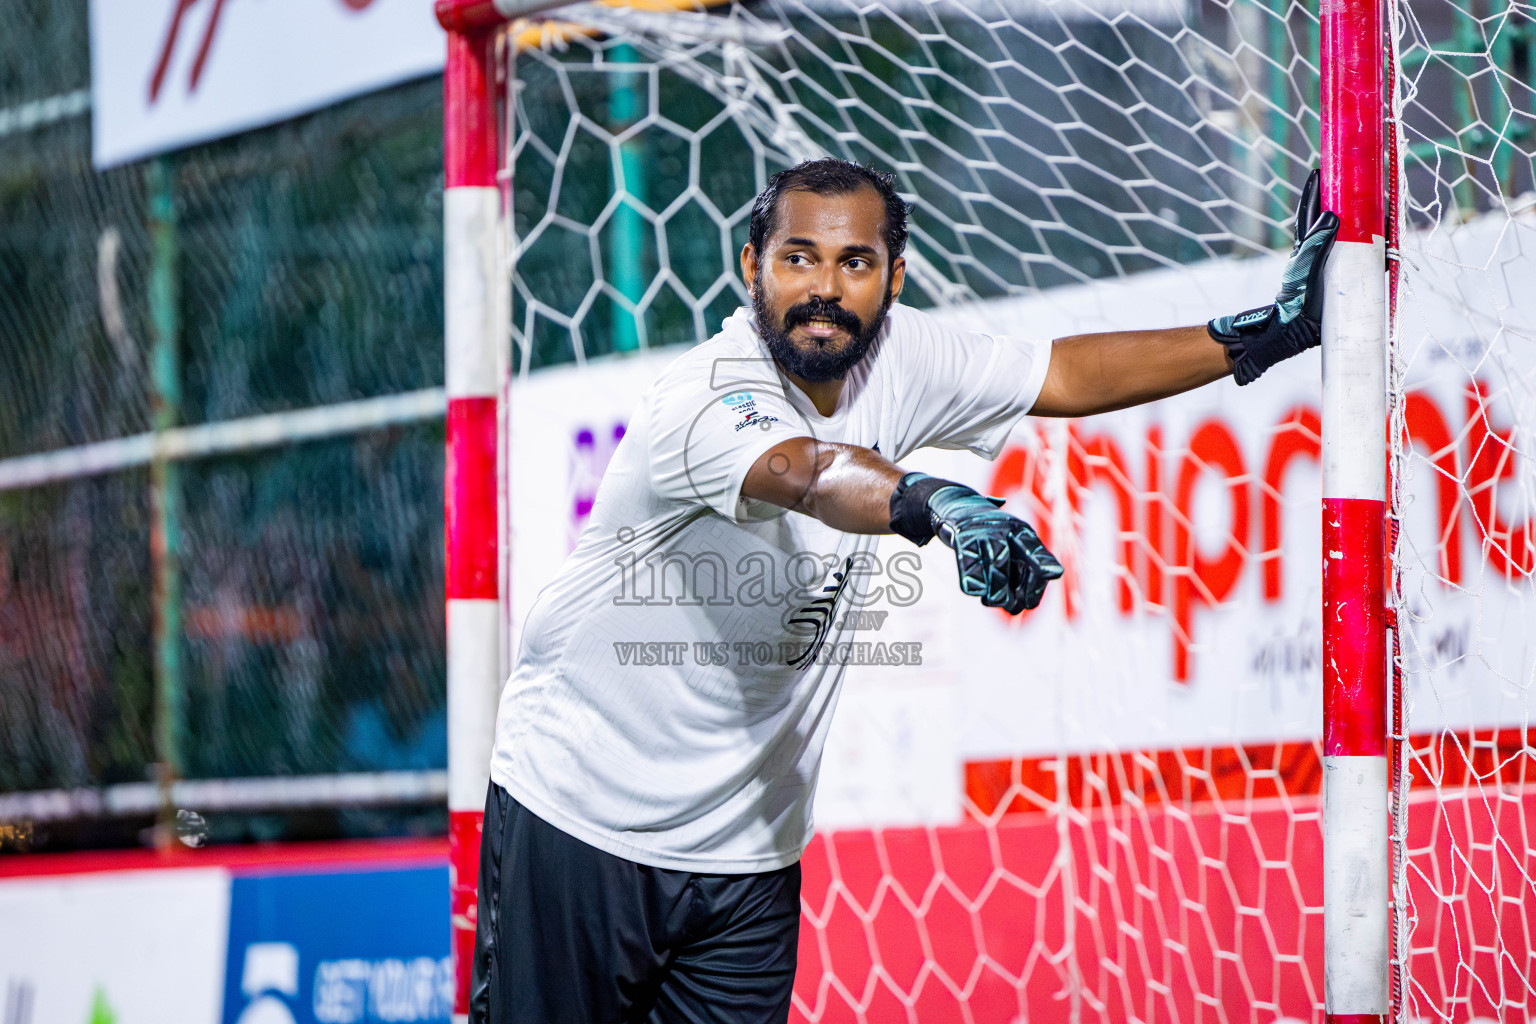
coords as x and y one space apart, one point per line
674 687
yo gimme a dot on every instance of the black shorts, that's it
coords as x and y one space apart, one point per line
568 934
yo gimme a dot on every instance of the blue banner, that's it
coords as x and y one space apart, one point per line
354 947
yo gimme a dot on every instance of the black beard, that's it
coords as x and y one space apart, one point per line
816 366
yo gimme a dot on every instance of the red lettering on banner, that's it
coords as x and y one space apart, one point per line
1166 565
1197 577
1097 460
1020 472
1154 542
205 47
1300 433
1424 423
1491 458
169 47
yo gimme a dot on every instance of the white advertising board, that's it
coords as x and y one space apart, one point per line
134 947
1222 647
167 73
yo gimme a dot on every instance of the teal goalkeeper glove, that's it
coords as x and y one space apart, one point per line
1260 338
1000 557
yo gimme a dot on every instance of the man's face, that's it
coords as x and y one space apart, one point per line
823 283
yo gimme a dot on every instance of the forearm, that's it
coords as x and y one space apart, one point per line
1094 373
843 485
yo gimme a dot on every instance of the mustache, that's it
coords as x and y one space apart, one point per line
819 309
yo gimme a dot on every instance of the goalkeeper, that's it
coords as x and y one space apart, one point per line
650 784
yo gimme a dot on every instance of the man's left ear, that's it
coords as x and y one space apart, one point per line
898 276
748 266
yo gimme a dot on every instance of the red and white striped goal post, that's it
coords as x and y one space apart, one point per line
1357 887
474 484
472 209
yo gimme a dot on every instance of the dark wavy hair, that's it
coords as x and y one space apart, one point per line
830 177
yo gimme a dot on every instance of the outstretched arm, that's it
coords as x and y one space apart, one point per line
1093 373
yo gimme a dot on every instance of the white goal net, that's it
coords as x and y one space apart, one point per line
1108 809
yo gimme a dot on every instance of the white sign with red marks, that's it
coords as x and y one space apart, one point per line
168 73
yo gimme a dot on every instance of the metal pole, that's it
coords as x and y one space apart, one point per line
1357 887
1277 40
471 208
165 486
628 96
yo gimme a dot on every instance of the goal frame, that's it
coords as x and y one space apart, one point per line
473 484
1356 618
1357 889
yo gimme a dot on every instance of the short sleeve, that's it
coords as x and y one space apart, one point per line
709 421
960 388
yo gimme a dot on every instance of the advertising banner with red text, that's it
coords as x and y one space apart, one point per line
168 73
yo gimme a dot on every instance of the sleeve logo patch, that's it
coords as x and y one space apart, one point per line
756 419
